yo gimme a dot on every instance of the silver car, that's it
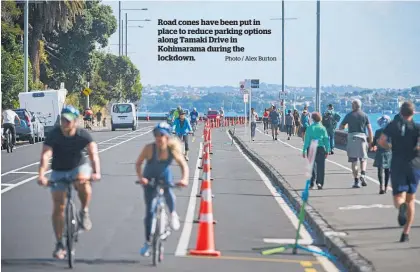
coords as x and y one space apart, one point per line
30 128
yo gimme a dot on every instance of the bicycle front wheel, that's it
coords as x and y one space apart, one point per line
156 240
70 232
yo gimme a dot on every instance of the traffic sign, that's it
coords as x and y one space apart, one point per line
87 91
255 83
241 84
283 95
245 98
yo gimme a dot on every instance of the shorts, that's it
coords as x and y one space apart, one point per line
83 169
404 179
356 159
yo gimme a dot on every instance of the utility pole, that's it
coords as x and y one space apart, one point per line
119 28
122 37
25 45
283 105
318 34
126 34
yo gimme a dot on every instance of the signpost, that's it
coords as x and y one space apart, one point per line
245 98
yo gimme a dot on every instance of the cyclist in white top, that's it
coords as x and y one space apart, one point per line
8 122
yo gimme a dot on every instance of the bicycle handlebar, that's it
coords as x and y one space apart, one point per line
152 183
52 182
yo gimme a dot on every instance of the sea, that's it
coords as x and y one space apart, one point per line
373 117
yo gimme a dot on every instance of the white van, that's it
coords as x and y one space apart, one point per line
123 115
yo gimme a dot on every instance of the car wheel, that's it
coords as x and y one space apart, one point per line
32 140
113 128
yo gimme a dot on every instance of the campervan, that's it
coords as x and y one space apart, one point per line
47 105
123 115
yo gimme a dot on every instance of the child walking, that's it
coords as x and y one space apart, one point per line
382 156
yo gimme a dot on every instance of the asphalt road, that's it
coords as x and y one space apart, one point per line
247 209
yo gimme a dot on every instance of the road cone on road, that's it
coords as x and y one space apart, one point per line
205 240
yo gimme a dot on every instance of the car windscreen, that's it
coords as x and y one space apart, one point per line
122 108
20 113
212 112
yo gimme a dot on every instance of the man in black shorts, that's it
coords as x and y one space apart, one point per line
65 144
405 164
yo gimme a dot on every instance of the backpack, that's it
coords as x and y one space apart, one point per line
328 120
305 120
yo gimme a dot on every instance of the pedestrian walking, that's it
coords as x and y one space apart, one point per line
265 120
275 121
405 164
357 141
382 156
254 118
306 121
317 131
297 125
290 122
330 120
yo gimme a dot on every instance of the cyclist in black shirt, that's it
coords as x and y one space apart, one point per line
65 144
405 163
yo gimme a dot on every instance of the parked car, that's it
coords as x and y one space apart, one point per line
30 128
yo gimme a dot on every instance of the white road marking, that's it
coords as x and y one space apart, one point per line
36 163
32 178
23 172
287 241
335 163
6 184
359 207
184 239
325 262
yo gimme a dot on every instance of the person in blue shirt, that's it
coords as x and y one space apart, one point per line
194 117
182 128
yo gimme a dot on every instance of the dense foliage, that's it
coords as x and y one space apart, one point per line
64 38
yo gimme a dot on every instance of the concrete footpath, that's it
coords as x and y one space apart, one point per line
359 226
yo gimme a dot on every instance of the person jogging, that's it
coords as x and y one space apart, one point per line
382 156
159 156
405 164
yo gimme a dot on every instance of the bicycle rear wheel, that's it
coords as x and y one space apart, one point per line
70 232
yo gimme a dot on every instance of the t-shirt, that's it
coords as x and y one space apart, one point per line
9 117
357 121
67 151
194 115
404 136
274 117
254 117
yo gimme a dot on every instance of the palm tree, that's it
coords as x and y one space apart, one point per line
46 17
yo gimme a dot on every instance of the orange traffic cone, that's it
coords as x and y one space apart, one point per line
205 241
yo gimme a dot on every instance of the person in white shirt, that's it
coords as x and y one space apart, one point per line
8 122
254 118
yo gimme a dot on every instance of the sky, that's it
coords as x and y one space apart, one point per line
373 44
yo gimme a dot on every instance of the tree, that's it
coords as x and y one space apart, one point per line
70 53
46 17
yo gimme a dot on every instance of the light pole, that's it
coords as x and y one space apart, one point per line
126 29
25 45
318 35
121 23
282 54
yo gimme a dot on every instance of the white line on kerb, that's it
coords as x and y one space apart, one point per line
32 178
333 162
326 264
184 239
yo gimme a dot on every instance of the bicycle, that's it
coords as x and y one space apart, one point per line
8 143
72 221
160 229
182 139
194 127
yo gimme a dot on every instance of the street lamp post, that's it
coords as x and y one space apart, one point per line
121 24
318 34
282 55
25 45
126 29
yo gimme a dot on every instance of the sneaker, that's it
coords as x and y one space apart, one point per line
59 251
402 214
85 220
332 152
145 250
175 225
356 185
319 186
362 179
404 238
186 158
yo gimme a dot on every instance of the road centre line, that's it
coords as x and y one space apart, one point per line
255 259
36 163
23 172
326 264
333 162
184 239
32 178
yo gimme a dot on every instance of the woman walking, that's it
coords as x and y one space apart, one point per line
290 122
265 120
305 120
382 156
275 120
254 118
317 131
297 123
